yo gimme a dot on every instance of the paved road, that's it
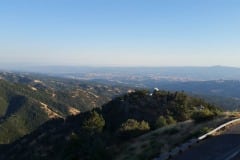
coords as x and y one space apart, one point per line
222 147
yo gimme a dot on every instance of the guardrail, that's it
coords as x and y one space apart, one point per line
188 144
218 128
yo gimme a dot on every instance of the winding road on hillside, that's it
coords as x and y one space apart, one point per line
222 147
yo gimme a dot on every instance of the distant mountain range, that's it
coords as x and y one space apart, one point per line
121 73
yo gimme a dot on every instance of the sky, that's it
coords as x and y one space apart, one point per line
120 32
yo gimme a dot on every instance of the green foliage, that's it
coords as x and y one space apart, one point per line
3 106
143 126
27 118
171 120
132 128
140 105
161 122
94 123
132 124
203 115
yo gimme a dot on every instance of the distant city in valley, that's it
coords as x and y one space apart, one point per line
136 73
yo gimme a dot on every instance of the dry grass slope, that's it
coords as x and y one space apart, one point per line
164 139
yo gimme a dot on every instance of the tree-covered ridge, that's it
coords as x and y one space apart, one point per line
20 114
93 134
142 105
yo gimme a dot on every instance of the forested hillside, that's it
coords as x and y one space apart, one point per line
96 134
27 101
224 93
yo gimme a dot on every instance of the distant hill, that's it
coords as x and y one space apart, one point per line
224 93
28 100
216 84
93 134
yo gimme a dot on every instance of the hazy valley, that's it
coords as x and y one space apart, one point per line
61 117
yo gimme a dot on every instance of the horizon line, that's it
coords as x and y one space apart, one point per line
17 66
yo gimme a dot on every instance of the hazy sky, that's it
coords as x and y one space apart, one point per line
120 32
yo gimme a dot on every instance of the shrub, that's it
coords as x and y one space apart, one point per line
171 120
161 122
203 115
94 123
132 128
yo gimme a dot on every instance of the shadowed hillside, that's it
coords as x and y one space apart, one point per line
95 134
27 101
